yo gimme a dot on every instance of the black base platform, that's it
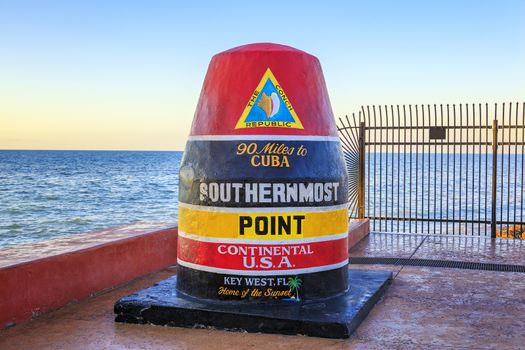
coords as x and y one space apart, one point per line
336 317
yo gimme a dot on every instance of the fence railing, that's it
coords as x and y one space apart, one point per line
444 169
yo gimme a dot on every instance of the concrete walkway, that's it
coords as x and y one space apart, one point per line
424 308
452 247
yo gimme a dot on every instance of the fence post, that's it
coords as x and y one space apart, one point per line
494 176
361 174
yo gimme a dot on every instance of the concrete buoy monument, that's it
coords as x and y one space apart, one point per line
263 212
263 187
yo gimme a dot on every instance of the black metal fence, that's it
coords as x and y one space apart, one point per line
443 169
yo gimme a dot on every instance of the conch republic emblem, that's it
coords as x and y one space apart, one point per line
263 212
269 107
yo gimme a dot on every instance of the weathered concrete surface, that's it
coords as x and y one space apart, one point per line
453 247
424 308
478 249
449 308
387 245
90 325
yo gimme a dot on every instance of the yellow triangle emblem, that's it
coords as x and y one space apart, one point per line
269 107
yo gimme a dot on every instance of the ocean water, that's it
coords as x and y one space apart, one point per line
437 187
46 194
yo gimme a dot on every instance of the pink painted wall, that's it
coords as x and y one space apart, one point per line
41 285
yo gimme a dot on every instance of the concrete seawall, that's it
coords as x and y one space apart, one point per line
87 264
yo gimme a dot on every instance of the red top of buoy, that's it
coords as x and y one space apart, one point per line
264 89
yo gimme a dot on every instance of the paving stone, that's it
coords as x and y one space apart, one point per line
387 245
474 249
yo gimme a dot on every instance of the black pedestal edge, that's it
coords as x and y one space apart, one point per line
339 319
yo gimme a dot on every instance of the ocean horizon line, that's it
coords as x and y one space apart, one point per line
86 150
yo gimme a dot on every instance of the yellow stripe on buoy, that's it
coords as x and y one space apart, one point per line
278 225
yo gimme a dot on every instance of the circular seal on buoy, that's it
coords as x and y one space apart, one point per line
263 212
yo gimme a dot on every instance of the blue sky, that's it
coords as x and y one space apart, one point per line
127 74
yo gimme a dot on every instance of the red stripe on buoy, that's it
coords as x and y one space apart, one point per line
262 257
